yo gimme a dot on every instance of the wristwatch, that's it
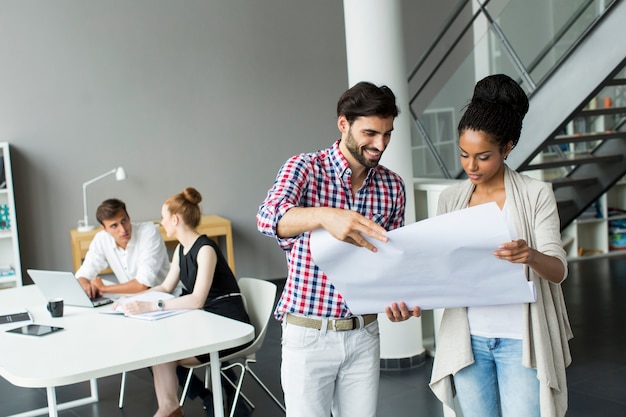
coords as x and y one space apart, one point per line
160 305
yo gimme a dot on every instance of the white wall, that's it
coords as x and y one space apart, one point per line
215 94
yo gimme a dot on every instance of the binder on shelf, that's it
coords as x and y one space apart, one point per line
5 220
3 178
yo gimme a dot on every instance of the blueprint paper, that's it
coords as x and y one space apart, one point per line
443 261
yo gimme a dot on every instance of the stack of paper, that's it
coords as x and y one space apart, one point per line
151 296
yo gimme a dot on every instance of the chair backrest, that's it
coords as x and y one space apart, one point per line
259 297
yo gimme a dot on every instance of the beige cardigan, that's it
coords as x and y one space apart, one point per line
546 326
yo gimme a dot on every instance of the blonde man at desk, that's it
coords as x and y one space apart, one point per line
134 251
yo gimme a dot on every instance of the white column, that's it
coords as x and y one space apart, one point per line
375 53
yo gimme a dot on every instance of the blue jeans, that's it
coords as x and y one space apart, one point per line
496 384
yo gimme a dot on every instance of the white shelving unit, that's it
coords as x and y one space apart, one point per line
10 268
589 235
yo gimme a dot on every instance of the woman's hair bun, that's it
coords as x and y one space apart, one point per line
502 89
192 195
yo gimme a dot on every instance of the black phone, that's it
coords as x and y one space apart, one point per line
35 330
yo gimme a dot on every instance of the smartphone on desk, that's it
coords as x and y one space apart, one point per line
35 330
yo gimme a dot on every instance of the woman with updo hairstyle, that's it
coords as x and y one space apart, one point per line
506 360
186 205
208 283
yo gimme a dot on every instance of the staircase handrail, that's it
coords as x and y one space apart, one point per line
522 71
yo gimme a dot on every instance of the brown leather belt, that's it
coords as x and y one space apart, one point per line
338 325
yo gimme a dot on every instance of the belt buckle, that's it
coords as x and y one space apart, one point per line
335 325
354 321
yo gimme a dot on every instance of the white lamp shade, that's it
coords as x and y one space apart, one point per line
120 174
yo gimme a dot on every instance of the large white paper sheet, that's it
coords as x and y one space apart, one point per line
151 296
444 261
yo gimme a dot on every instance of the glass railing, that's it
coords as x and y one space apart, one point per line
525 39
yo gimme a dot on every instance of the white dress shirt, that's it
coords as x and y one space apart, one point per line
144 259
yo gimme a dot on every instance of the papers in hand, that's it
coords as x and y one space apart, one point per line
443 261
151 296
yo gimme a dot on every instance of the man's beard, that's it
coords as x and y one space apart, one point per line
357 152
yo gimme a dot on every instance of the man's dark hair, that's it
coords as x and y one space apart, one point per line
110 208
366 99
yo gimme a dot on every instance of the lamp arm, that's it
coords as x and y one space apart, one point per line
85 184
98 178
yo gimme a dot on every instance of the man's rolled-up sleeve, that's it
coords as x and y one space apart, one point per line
286 193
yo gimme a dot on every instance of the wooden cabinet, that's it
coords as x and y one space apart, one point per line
10 268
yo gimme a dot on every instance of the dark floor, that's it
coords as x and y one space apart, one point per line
596 297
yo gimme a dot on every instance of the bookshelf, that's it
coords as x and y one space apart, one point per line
598 231
10 267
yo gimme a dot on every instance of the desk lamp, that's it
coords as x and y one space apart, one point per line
120 175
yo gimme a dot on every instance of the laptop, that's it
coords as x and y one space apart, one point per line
59 284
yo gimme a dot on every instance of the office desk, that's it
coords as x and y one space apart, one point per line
81 352
215 227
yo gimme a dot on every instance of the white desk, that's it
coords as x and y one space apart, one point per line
82 351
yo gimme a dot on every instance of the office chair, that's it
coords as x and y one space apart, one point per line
259 296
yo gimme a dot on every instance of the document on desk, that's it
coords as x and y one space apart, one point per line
12 318
152 296
444 261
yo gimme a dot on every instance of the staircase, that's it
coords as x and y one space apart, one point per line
584 154
588 154
574 134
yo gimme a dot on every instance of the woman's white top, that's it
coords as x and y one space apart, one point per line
501 321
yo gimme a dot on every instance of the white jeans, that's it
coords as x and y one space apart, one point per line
325 370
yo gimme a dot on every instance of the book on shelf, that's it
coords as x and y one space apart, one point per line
3 181
594 211
6 270
5 219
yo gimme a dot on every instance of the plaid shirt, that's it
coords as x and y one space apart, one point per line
322 179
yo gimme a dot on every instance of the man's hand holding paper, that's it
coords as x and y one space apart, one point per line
427 264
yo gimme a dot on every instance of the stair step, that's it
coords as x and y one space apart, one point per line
587 137
576 160
616 81
600 112
564 203
573 182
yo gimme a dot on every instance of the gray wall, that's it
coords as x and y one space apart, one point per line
215 94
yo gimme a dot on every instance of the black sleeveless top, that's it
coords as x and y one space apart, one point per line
224 283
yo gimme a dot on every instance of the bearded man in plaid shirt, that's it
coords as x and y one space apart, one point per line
330 357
